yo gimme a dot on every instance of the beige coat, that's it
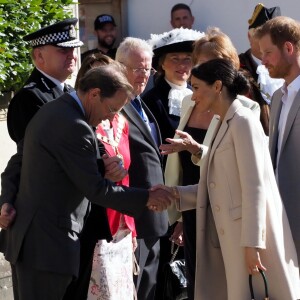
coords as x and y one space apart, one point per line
238 205
173 171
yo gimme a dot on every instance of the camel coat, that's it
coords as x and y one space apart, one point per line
238 205
173 171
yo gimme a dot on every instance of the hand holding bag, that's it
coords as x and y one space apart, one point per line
265 284
175 287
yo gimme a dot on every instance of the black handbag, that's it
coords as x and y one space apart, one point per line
175 285
265 284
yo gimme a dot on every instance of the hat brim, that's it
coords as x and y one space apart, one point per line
70 44
100 26
186 46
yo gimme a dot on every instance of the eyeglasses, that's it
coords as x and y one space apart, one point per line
113 112
147 71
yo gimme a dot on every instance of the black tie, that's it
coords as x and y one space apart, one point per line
66 88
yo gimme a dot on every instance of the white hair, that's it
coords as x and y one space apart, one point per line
131 44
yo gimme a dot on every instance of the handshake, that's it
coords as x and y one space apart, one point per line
161 197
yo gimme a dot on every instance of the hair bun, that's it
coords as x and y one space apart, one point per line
240 83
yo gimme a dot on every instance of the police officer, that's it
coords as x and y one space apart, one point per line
55 58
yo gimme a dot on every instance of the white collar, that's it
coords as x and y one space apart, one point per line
176 95
175 86
56 81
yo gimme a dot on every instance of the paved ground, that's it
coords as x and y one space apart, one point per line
7 149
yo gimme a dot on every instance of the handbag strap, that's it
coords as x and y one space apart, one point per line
174 253
136 271
265 284
136 267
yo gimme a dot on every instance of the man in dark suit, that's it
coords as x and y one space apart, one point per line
59 170
146 161
55 58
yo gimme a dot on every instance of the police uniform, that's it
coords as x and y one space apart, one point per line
39 89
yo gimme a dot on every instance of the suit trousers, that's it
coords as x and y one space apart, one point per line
147 255
32 284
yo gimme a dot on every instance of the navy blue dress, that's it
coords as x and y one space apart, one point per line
190 175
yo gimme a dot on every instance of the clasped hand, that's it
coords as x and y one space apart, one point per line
114 169
7 215
160 197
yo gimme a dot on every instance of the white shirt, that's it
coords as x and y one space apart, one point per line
289 94
61 85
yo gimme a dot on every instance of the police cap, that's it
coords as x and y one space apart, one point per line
61 34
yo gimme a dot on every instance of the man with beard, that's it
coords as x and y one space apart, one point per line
106 32
279 42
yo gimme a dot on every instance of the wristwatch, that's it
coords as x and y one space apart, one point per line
199 153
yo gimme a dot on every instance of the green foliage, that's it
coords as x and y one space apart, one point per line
17 19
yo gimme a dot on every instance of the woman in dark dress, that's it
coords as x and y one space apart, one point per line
173 62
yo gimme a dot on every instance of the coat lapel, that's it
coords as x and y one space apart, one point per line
135 119
219 134
290 119
274 120
184 119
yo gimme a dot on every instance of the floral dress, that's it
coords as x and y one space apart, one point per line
112 272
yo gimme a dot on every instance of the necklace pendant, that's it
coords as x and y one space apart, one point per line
121 158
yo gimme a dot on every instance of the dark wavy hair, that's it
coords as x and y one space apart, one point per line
223 70
89 62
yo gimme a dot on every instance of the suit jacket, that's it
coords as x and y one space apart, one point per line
145 170
37 91
288 167
59 170
238 205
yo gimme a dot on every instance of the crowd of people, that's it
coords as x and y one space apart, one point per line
177 139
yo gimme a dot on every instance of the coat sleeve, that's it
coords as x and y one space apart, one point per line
76 155
188 197
10 178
